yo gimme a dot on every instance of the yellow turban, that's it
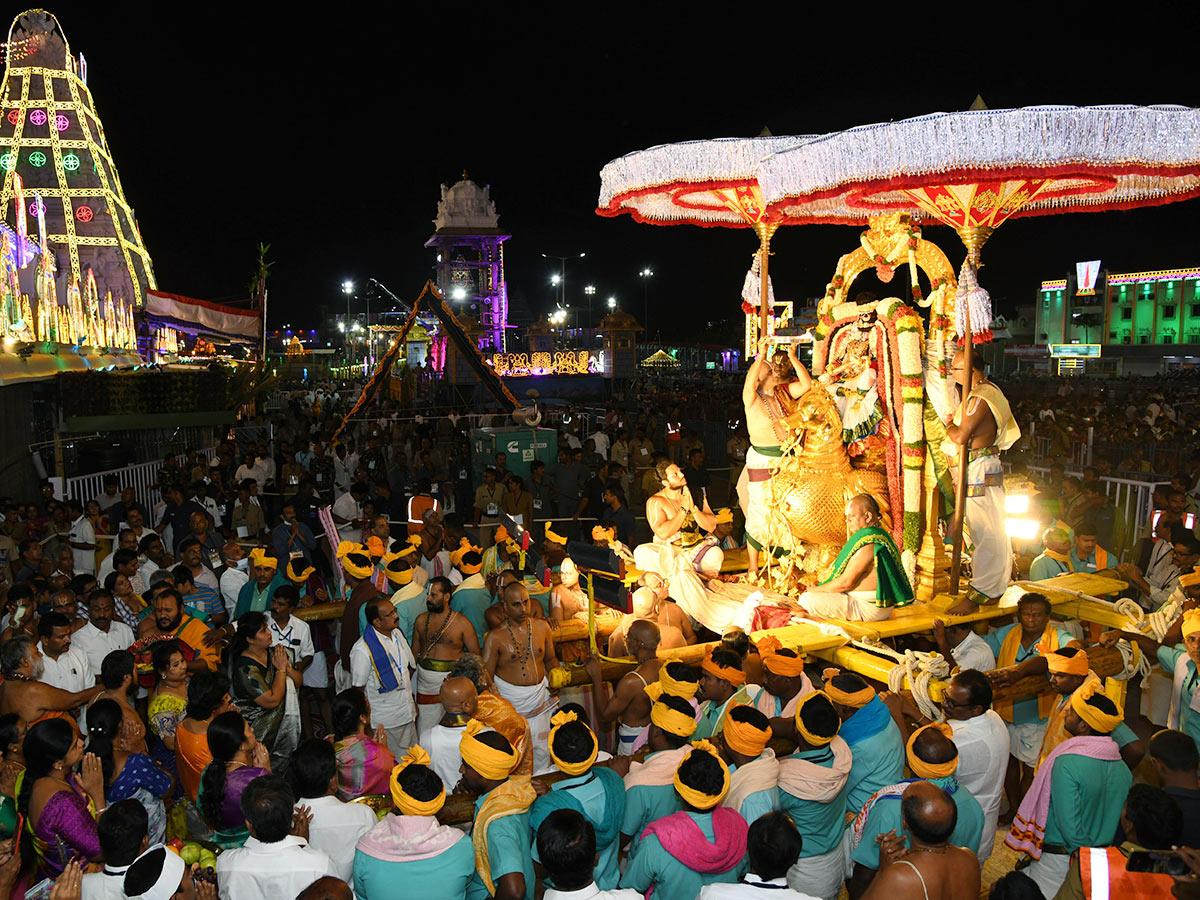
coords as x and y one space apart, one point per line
555 538
672 721
693 797
857 700
463 549
744 738
456 554
603 534
398 576
787 666
924 769
260 557
1098 719
725 516
815 740
558 720
1191 622
501 535
375 546
414 541
298 570
736 677
408 805
668 685
1190 578
490 763
1061 664
354 559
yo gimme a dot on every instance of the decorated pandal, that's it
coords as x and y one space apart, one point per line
560 362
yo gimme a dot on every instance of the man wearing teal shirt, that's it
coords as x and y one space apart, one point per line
753 768
870 733
256 594
1087 555
598 793
722 687
409 597
931 752
434 861
1088 784
812 791
650 785
472 598
502 811
1054 559
700 845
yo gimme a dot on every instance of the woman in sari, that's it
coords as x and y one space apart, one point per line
128 775
60 808
12 761
207 698
238 757
169 702
364 761
259 675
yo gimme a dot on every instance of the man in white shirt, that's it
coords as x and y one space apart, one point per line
348 512
273 863
126 540
383 653
441 740
286 629
65 668
82 539
101 635
566 846
122 832
336 826
236 574
958 642
983 747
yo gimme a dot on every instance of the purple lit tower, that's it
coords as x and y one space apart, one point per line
470 260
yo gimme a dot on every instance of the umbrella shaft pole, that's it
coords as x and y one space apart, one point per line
964 452
764 308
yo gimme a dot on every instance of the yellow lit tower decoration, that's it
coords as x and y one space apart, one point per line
52 137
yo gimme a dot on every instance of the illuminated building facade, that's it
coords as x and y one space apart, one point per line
470 260
1148 320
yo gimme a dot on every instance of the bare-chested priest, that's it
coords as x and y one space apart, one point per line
440 635
769 394
867 579
629 703
983 427
518 655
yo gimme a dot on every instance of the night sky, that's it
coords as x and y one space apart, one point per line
328 137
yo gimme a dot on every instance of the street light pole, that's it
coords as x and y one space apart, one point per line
348 290
590 291
562 273
646 274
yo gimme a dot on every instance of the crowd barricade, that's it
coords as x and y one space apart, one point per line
1133 499
143 478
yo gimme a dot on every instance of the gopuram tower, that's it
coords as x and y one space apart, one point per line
54 158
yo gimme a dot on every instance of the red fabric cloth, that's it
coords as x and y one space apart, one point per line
771 617
682 838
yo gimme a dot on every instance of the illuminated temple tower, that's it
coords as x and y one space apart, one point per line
470 259
52 138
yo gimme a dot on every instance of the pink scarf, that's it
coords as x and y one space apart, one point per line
1028 831
657 770
408 838
682 838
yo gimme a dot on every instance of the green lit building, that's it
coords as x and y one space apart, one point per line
1143 322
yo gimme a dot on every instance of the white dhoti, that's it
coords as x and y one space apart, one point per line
855 606
707 557
819 876
1025 741
428 685
1156 697
535 704
317 673
630 738
991 553
1049 872
752 495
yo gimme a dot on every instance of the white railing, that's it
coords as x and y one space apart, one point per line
1134 501
143 478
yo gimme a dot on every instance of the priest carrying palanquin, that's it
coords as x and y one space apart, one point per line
867 579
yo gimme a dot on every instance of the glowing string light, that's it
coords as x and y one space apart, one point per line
84 214
37 158
37 117
70 162
61 122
